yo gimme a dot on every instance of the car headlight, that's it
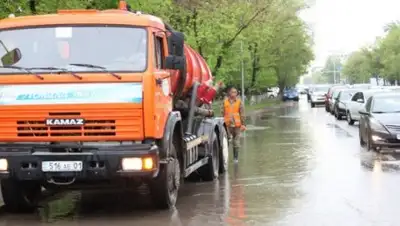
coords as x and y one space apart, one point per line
342 105
377 126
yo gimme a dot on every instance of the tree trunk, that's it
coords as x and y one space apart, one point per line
255 66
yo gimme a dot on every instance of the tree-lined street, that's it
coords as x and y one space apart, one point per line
299 166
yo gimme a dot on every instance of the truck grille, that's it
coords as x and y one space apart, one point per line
91 128
102 122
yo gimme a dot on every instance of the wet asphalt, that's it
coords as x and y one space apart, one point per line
298 166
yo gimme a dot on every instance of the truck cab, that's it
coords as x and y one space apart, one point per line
87 100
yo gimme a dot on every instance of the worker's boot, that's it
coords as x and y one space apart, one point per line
235 155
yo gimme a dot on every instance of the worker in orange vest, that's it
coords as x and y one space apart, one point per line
233 112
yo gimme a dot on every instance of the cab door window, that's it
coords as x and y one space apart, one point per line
159 52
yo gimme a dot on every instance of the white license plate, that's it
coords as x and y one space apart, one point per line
62 166
398 136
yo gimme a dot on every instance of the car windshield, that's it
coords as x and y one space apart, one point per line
321 89
335 94
346 95
386 104
109 47
290 90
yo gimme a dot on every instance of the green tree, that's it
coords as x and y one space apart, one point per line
266 34
331 70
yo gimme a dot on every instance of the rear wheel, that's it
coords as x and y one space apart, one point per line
210 171
326 108
20 196
337 114
312 105
164 189
224 152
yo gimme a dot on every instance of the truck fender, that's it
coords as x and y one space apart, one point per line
174 119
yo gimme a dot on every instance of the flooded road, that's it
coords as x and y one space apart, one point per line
299 166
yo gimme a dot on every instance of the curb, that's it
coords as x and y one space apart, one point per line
268 109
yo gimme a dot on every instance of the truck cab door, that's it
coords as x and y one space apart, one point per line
163 97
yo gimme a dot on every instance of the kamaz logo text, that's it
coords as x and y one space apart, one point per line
65 122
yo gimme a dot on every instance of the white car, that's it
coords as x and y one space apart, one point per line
318 94
273 92
357 103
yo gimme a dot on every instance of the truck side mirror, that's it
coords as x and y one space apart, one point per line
176 43
11 57
175 62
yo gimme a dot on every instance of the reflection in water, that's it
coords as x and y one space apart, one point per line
237 214
60 209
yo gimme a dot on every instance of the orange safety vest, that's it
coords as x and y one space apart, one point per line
232 112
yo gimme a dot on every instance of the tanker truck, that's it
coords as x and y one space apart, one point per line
88 100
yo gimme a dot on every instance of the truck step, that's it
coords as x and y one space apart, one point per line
189 170
194 151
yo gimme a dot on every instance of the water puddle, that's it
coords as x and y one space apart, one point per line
339 131
253 127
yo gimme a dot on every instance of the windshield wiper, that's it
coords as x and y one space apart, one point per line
379 112
98 67
27 70
57 69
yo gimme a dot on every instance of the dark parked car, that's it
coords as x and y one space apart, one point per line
290 94
341 101
379 126
328 97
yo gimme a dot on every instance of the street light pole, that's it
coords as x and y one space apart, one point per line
241 50
334 71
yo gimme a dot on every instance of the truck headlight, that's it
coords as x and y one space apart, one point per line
136 163
3 165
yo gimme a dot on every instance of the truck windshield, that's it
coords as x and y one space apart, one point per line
117 49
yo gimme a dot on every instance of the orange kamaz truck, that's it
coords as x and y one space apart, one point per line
88 100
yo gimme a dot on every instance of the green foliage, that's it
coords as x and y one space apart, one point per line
381 59
267 35
331 71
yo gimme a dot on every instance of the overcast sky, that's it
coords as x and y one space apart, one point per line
346 25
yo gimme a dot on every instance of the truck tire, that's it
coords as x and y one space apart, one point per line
20 196
210 171
164 189
224 152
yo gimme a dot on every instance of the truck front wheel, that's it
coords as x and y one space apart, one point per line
20 196
164 189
